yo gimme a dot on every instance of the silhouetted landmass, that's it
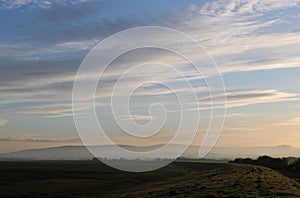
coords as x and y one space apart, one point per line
179 179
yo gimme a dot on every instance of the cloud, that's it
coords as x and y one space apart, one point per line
47 111
151 90
245 98
234 7
244 129
52 80
43 4
234 115
3 122
240 35
81 21
10 4
27 52
137 117
292 122
51 110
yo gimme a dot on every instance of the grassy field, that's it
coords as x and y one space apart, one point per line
180 179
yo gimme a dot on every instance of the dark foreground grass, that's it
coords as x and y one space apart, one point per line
180 179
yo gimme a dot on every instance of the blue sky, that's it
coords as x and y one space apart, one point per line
256 45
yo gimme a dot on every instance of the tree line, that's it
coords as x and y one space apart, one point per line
286 163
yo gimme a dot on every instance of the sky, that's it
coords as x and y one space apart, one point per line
256 45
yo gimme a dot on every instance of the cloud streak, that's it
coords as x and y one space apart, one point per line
292 122
238 7
246 98
137 117
3 122
42 4
57 110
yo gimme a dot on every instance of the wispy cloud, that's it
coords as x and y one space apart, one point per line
57 110
43 4
292 122
245 98
10 4
137 117
234 115
3 122
234 7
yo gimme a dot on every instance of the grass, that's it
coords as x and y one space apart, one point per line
179 179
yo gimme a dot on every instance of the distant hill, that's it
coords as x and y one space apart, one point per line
81 153
55 153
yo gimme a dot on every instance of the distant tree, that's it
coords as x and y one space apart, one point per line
95 159
297 165
267 161
244 161
274 163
